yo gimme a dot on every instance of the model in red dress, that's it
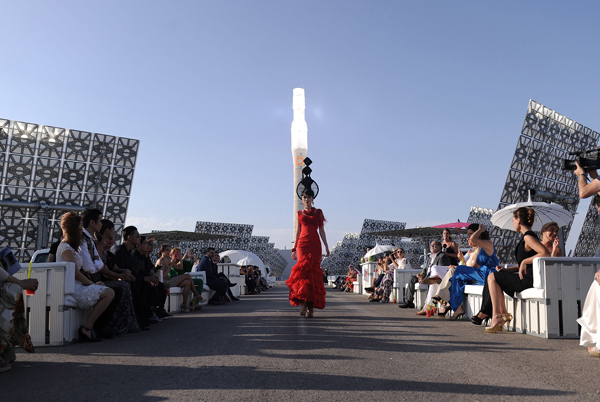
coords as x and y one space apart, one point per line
306 280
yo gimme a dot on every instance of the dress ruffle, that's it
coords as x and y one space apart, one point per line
306 283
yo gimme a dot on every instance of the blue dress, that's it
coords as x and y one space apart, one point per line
465 275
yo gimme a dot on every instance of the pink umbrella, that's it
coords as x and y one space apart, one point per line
456 225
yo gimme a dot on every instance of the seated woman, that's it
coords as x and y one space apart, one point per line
350 278
400 261
177 277
124 319
383 291
87 293
504 280
443 292
482 262
449 246
437 273
590 317
550 239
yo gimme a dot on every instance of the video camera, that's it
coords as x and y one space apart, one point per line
587 159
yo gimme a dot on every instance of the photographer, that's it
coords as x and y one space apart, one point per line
586 189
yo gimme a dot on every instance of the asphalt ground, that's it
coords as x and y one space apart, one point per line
260 349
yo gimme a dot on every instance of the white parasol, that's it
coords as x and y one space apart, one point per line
544 213
378 249
243 257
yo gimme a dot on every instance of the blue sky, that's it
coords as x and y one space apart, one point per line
413 108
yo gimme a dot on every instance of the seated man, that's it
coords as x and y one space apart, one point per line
219 286
222 276
428 275
155 291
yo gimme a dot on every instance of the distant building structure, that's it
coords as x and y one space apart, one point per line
47 170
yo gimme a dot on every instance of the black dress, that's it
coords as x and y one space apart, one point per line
510 282
453 260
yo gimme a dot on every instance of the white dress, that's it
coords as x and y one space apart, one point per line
85 296
590 317
403 264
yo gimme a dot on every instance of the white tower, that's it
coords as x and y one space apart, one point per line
299 147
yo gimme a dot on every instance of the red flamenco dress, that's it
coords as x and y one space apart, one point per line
306 279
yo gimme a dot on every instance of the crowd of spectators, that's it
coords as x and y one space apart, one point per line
124 290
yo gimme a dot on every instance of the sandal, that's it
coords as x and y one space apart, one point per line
184 308
478 321
87 338
437 299
446 308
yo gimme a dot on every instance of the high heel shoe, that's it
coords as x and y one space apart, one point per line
458 316
497 327
443 313
85 338
309 314
478 321
303 311
506 319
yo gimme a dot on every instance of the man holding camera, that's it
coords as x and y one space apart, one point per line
587 189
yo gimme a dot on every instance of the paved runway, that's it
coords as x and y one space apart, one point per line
261 349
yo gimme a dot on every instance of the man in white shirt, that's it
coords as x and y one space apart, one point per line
92 222
438 257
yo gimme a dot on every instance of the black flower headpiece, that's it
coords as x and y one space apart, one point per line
307 182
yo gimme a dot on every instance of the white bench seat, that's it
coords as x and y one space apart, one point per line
551 307
53 317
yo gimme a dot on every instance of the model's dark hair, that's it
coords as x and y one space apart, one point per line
70 227
526 215
128 231
309 192
90 214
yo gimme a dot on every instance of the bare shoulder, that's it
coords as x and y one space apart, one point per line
68 255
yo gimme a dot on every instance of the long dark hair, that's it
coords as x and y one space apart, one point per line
526 215
70 226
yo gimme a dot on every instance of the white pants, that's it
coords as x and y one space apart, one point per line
590 317
436 270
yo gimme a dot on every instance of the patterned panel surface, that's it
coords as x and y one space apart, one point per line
589 238
546 138
354 245
242 240
60 166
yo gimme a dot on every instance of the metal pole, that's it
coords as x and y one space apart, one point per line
43 213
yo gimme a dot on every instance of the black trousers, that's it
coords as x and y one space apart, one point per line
509 282
219 286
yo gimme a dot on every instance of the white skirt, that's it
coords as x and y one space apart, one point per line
87 296
590 317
